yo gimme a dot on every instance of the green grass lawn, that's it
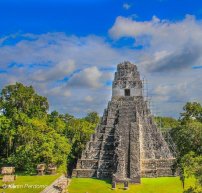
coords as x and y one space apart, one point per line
28 181
148 185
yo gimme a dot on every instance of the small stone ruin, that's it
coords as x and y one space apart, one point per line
127 144
41 169
8 174
51 169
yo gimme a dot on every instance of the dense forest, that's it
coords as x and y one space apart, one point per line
186 136
29 135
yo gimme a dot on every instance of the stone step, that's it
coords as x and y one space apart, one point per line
84 173
106 155
129 116
128 109
106 165
126 112
126 115
95 144
105 137
87 164
109 130
164 172
149 173
159 172
104 174
98 149
157 163
105 170
93 154
111 117
128 106
108 138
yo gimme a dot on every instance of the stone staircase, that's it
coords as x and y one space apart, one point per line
97 159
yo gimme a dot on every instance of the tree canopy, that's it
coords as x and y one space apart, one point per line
29 135
166 123
17 99
188 139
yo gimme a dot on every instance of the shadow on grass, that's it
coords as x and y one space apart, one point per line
107 181
20 173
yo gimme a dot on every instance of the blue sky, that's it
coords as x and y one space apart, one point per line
69 49
83 17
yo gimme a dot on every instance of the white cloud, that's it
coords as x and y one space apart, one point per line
60 91
156 28
167 46
126 6
73 72
63 68
58 71
172 92
89 77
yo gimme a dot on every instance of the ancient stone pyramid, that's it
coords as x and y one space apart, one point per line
127 145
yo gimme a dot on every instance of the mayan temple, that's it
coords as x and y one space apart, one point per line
127 144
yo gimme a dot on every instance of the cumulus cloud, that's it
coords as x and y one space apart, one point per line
58 71
75 73
69 70
89 77
60 91
181 59
168 45
172 93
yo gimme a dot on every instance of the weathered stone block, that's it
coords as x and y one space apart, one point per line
84 173
149 173
87 164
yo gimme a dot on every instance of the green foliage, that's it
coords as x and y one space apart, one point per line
188 134
29 135
191 190
192 165
78 132
166 122
38 143
15 99
93 118
192 111
55 121
188 138
6 136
